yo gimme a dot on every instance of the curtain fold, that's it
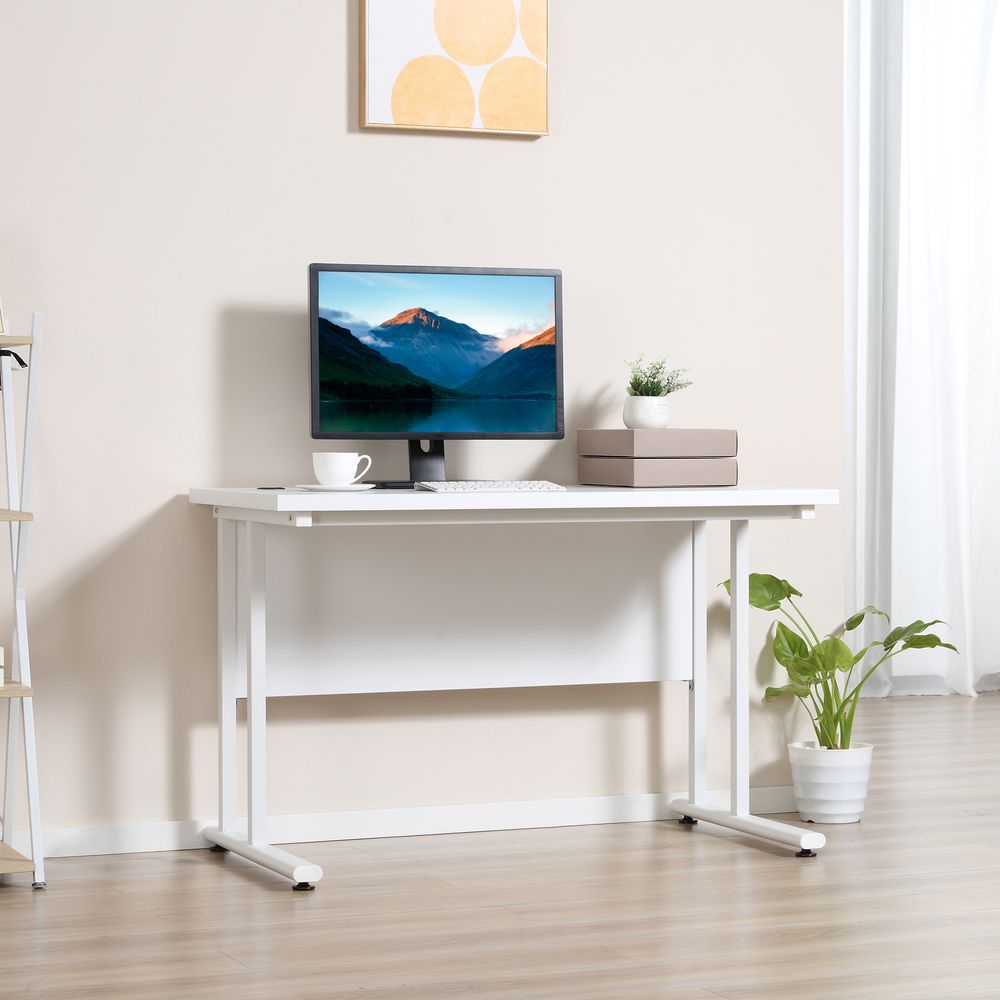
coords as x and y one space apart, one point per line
922 239
873 78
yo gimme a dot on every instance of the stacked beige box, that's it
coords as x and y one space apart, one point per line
674 456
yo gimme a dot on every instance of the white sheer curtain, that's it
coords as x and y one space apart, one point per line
922 290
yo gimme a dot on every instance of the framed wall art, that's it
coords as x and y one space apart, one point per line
476 66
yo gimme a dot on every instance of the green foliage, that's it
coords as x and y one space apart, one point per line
767 592
654 379
788 646
858 617
821 671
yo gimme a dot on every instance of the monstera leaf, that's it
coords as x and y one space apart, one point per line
926 641
858 617
904 633
766 591
803 671
832 654
788 645
773 693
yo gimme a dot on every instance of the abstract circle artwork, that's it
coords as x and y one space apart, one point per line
455 65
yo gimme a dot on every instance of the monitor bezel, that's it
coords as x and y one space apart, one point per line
316 269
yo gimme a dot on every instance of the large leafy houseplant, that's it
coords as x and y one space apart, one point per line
825 674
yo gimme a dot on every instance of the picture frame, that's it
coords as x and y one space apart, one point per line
460 66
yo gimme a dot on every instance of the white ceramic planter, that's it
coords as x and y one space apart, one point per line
646 412
830 785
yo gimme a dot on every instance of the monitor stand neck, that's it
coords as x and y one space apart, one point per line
427 466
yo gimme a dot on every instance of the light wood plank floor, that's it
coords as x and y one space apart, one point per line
907 904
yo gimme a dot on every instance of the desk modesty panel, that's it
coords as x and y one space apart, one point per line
422 605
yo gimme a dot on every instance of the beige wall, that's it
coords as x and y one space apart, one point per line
167 172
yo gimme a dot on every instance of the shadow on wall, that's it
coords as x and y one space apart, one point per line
262 427
262 412
779 721
352 68
141 617
593 409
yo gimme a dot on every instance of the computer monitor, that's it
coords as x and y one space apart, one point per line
431 353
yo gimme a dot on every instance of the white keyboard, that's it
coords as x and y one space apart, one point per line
490 486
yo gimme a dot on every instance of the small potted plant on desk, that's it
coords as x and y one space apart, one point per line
648 387
830 773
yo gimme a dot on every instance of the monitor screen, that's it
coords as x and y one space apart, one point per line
411 352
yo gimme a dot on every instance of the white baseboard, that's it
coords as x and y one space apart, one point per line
411 821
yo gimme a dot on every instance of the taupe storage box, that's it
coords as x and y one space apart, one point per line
671 442
673 456
613 471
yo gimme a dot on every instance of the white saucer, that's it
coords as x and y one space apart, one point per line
320 488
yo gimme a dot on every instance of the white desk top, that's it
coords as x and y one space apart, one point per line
573 498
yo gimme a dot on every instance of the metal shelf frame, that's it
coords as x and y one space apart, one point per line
18 693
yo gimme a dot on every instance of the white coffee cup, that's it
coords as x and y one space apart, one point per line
339 468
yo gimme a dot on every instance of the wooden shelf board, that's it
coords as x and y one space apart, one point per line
16 515
11 861
12 690
6 341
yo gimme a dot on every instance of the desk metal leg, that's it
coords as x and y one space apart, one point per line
698 685
739 668
242 641
738 816
698 691
252 624
230 655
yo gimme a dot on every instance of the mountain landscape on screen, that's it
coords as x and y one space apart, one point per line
434 347
418 354
527 370
350 369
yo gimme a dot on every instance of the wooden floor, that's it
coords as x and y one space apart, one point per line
906 904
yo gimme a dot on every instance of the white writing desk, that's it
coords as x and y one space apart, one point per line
245 514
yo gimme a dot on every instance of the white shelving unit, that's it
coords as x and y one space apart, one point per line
17 691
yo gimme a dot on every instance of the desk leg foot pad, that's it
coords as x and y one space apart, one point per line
303 887
218 849
805 853
688 821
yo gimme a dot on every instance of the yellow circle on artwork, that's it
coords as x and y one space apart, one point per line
433 91
534 27
512 97
475 32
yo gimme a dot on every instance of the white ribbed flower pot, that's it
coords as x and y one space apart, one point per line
830 785
646 412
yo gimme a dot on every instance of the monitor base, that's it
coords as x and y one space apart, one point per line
425 467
